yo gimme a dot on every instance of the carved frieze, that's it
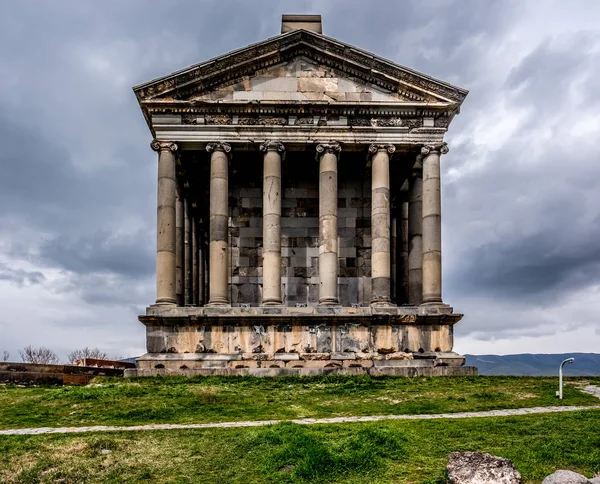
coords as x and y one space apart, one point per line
217 119
247 121
442 122
412 123
306 120
386 122
189 119
272 121
359 122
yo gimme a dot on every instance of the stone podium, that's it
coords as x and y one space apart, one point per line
299 213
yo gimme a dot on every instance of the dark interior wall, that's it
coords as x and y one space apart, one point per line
299 225
300 229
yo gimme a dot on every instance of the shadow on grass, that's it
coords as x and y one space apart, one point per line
296 453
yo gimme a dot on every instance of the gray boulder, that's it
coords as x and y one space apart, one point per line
478 468
565 477
594 480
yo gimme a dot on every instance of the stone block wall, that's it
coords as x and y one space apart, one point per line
299 236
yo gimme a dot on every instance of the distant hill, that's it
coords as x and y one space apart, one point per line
585 364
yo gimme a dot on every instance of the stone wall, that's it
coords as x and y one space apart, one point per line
299 232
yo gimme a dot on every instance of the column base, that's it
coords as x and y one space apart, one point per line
387 303
433 302
218 302
165 301
272 302
329 302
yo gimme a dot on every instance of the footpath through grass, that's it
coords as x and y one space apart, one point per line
378 452
217 399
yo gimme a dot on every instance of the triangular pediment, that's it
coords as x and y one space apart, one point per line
300 66
302 79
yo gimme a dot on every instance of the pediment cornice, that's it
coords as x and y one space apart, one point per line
207 76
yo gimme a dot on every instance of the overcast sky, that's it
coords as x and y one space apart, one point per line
521 189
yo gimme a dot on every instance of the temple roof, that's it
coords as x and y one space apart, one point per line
409 85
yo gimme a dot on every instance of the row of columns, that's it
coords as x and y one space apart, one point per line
423 212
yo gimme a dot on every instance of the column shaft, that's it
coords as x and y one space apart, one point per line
415 241
187 255
166 264
403 235
271 223
328 243
194 238
200 265
393 256
432 224
219 214
179 245
380 223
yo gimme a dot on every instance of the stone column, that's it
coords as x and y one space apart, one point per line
403 235
272 222
432 224
415 241
194 237
380 222
187 254
393 256
327 154
166 265
200 265
179 245
218 244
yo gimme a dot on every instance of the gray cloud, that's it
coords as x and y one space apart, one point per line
20 277
77 190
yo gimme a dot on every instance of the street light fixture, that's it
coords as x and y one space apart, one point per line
559 393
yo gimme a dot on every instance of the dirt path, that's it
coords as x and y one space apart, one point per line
303 421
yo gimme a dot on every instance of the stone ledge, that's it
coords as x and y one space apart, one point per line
271 372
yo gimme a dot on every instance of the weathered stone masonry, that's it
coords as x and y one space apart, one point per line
299 213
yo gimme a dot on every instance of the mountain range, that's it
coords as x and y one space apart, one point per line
585 364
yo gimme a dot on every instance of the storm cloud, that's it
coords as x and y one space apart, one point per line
521 202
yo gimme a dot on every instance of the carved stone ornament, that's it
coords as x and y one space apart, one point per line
442 122
157 145
220 119
218 146
189 119
332 147
270 121
389 122
305 120
272 146
374 148
441 149
412 123
247 121
359 122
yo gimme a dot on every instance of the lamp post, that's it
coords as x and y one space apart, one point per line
560 377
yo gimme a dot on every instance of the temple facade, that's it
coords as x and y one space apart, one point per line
299 213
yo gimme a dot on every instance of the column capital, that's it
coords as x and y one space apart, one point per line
218 146
441 149
157 145
333 147
270 145
375 147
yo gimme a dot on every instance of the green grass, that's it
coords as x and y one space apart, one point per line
218 399
377 452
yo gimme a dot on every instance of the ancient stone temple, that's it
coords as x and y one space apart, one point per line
299 214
